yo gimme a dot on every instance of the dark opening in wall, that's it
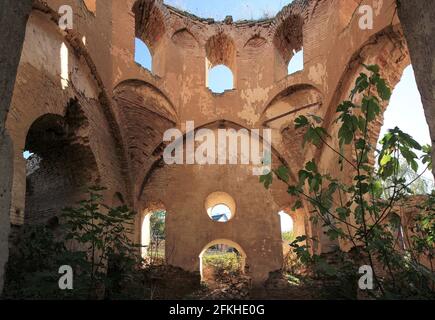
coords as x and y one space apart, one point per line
62 166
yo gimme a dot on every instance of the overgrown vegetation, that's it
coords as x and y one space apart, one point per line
222 263
156 249
95 242
350 207
288 236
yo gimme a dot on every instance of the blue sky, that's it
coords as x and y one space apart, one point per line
239 9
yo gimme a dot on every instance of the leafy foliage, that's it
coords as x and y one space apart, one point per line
222 262
105 261
350 208
156 249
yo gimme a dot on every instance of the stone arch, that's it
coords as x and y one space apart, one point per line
388 49
151 28
184 189
229 243
140 91
221 49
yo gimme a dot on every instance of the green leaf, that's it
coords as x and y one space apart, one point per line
370 106
267 180
373 68
301 122
311 166
297 205
383 90
283 173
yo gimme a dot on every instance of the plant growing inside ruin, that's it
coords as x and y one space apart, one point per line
350 207
95 242
156 249
104 235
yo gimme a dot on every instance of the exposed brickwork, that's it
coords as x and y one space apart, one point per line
114 135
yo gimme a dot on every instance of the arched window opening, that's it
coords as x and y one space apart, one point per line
142 55
154 236
220 63
287 227
222 260
220 79
288 41
150 28
406 112
220 207
297 62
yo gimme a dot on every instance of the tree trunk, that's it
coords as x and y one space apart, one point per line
418 22
13 19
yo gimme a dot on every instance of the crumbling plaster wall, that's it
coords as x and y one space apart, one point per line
129 107
255 226
38 91
331 39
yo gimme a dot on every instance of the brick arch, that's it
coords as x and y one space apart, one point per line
387 49
146 114
289 36
280 115
185 39
229 243
221 50
158 151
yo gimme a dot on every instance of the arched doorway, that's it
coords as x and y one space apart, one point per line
222 258
154 235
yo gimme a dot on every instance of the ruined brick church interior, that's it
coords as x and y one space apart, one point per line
85 113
